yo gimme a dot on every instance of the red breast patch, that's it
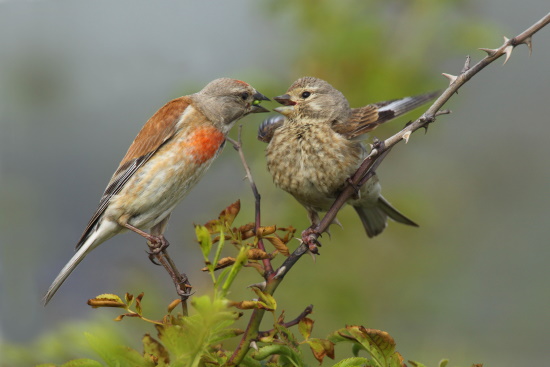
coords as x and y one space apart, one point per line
204 142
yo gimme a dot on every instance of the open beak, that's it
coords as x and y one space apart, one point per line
256 107
285 100
288 105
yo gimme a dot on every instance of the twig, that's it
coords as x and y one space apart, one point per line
296 321
180 279
268 268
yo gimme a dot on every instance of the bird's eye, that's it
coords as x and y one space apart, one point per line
244 96
306 94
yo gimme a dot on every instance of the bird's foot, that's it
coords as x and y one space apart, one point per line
357 189
184 289
157 244
309 237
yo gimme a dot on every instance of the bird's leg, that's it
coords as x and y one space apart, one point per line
357 189
158 244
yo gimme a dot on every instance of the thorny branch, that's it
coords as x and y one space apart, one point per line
379 148
365 171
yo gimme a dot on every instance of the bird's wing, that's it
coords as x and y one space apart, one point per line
159 129
367 118
268 126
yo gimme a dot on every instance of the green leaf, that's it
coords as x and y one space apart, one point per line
282 350
155 351
352 362
205 241
266 298
305 326
242 258
116 355
321 348
379 344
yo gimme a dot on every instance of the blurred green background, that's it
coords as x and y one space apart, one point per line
78 80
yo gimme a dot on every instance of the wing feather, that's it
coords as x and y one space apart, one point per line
367 118
268 126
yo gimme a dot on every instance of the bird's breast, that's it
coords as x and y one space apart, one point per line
311 161
156 188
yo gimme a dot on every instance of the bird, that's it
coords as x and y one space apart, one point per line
168 157
315 146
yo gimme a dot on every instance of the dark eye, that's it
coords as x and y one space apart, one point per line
306 94
244 96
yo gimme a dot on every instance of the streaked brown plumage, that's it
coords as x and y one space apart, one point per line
167 158
316 146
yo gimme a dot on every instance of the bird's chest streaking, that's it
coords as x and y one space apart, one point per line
158 186
312 162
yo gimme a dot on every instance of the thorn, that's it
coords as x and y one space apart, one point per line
337 222
529 42
466 64
280 272
313 257
452 78
489 51
507 50
406 136
253 345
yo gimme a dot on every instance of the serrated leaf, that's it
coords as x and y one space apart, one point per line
321 348
352 362
305 326
116 355
155 351
379 344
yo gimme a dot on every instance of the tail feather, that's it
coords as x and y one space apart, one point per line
374 217
102 234
394 213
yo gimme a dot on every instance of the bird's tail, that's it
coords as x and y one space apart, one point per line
89 244
374 217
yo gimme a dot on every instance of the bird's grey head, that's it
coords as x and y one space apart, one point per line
226 100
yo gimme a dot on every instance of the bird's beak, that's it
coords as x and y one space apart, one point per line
285 99
258 98
288 104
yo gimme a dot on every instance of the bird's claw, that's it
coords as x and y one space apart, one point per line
157 245
357 194
309 237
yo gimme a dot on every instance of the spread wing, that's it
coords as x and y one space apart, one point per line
268 126
159 129
365 119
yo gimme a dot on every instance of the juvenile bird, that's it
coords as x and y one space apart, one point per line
167 158
315 146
